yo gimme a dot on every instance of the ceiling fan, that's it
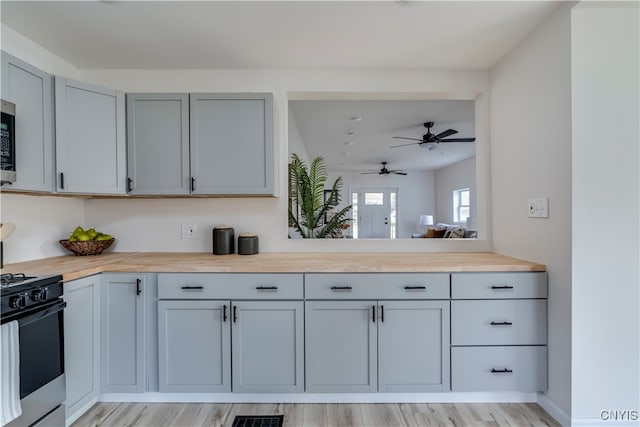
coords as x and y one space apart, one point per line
432 140
385 171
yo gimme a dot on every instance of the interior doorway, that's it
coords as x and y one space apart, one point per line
375 212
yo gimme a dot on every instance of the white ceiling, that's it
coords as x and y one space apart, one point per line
301 34
267 34
325 126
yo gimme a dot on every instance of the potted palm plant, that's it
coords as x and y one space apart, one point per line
306 186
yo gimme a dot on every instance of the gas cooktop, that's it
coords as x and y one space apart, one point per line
11 283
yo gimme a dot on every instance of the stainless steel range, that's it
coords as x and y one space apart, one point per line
37 306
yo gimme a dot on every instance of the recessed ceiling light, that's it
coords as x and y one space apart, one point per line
350 143
355 118
346 153
351 132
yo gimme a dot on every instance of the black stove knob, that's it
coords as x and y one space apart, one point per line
19 301
40 295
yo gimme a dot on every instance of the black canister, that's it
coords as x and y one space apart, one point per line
223 240
247 244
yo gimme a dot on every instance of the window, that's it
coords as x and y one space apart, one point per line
461 205
354 215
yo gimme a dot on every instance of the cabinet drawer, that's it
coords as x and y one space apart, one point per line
498 285
499 322
499 368
229 286
377 286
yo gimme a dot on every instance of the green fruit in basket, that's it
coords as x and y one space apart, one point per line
83 237
78 230
102 237
92 233
73 238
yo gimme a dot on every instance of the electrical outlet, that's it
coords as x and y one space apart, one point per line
188 231
538 208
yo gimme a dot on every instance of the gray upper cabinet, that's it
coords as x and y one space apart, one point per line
158 143
31 90
90 138
123 343
232 143
268 346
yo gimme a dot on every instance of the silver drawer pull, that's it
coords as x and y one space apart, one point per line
342 288
501 287
192 288
267 288
501 371
415 288
501 323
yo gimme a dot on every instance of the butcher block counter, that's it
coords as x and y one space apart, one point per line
73 267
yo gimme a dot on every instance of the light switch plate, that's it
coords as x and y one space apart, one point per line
538 208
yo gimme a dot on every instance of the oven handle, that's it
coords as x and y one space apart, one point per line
34 314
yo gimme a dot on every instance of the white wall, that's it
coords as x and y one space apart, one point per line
606 213
454 177
40 221
416 195
531 157
296 144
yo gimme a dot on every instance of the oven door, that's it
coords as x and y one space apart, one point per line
42 384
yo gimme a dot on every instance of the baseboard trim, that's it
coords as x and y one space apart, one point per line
70 419
598 422
484 397
554 410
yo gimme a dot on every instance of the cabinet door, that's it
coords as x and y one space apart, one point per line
82 342
232 144
90 139
31 90
267 341
158 143
341 346
123 333
194 346
413 346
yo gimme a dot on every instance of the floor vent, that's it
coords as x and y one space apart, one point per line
258 421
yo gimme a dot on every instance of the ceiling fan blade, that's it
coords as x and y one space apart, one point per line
402 137
399 173
404 145
446 133
458 140
369 173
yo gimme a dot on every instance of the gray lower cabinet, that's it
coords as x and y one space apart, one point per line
82 342
369 346
369 332
31 90
194 346
267 341
499 332
122 341
90 138
341 341
413 346
231 143
158 143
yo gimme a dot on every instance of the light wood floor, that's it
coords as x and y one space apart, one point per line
329 415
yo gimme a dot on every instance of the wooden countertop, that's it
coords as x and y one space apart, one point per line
74 267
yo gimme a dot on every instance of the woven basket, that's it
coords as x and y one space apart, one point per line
90 247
